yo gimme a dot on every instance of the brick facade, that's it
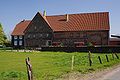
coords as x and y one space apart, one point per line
70 38
37 33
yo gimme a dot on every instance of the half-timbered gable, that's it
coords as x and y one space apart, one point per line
38 32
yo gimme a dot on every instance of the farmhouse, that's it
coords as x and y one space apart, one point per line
69 30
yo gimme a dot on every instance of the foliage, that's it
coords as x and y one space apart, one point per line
3 38
49 65
89 44
12 75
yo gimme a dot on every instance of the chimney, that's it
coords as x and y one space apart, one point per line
67 17
23 20
44 13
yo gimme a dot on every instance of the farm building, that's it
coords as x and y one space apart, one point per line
114 41
70 30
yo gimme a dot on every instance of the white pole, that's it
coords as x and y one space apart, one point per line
72 65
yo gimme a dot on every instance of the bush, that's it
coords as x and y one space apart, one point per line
12 74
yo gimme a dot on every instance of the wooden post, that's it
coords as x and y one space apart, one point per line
72 64
116 55
29 69
107 58
100 60
89 57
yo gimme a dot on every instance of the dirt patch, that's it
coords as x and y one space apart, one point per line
98 75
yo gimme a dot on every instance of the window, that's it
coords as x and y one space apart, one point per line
20 43
34 36
59 35
20 37
15 37
41 35
47 35
35 27
15 43
71 34
29 36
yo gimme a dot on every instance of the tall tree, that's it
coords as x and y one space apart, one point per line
3 38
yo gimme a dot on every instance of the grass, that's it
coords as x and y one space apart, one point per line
49 65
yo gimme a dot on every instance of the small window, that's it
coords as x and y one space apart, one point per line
41 35
29 36
71 34
15 37
20 37
20 43
15 43
47 35
34 36
35 27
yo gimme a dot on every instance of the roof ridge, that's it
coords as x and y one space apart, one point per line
77 14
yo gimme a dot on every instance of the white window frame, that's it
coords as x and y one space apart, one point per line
15 37
15 43
20 43
47 35
20 37
41 35
34 35
35 27
29 36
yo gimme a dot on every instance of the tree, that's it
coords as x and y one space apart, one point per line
3 38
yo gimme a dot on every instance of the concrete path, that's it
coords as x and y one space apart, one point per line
112 75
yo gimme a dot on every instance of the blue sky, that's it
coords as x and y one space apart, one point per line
13 11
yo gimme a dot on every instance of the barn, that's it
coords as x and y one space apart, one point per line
68 30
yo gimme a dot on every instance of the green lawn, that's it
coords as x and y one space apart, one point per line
48 65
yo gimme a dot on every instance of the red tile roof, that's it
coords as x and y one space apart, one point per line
80 22
20 27
76 22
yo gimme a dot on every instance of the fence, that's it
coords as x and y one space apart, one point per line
29 69
73 57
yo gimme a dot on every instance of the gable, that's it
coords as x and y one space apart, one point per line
38 24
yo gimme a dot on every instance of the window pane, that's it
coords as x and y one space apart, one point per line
15 37
20 43
20 37
15 43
